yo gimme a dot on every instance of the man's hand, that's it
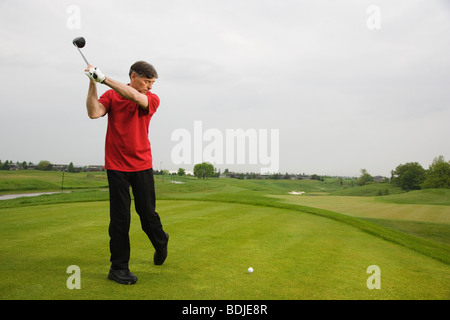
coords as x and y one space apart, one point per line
126 91
94 108
95 74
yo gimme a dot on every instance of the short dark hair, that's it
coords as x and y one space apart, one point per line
143 69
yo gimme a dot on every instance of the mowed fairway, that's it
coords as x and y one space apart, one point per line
369 207
295 255
423 220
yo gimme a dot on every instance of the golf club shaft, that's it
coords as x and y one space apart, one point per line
87 63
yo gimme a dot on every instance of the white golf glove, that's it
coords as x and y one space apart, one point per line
96 75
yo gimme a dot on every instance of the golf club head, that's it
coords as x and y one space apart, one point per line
79 42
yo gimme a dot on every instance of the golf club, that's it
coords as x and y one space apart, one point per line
80 42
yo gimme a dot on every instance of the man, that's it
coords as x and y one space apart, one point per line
128 161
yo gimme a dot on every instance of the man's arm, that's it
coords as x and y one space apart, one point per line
94 108
128 92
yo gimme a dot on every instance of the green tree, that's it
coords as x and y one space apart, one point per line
409 176
438 175
364 178
181 172
5 166
203 170
71 168
44 165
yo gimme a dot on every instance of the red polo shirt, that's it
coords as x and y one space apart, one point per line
127 147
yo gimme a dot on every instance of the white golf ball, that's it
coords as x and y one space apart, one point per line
250 270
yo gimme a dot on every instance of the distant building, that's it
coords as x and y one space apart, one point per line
93 168
60 167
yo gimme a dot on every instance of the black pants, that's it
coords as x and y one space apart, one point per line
143 187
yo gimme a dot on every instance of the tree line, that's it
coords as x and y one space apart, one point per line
44 165
408 176
412 176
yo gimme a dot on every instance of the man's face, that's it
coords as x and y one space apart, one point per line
142 84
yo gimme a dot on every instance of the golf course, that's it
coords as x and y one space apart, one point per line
317 243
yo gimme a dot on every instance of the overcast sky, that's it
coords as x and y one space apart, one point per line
347 84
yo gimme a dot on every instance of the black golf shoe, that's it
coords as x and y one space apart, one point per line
160 256
123 276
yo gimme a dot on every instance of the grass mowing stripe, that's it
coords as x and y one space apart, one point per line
427 247
435 250
439 232
71 197
295 255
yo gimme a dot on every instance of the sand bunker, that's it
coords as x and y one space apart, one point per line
297 192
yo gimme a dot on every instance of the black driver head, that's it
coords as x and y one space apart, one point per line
79 42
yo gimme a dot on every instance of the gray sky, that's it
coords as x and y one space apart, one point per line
343 95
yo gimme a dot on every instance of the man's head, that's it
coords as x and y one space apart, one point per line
142 76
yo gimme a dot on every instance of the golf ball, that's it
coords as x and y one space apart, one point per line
250 270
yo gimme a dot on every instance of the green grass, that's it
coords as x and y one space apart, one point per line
368 190
413 213
36 180
426 196
295 255
64 197
439 232
218 228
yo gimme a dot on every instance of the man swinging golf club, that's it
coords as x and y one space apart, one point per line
128 161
